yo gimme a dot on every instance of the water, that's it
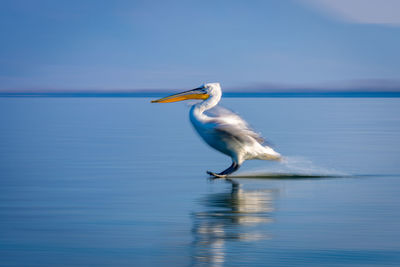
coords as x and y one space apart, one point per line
122 182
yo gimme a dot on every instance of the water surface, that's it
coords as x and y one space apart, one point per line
122 182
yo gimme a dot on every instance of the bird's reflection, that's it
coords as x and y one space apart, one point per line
230 216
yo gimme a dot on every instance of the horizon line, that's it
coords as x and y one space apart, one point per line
226 93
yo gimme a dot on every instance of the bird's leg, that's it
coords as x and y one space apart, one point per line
234 167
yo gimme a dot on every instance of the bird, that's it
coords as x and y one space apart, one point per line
223 129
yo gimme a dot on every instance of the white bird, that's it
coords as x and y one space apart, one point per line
222 129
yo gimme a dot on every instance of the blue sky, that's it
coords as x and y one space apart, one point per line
117 45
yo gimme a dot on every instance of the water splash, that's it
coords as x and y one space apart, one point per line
292 167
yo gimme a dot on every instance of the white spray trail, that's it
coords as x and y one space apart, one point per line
292 165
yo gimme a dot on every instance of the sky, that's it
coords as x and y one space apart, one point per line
130 45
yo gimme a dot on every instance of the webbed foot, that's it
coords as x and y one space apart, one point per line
216 175
226 172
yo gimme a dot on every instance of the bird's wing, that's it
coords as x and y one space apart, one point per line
229 123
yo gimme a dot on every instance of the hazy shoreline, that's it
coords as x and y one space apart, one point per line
350 94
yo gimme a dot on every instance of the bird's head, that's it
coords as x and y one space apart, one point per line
203 92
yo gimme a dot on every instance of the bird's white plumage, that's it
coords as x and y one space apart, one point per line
226 131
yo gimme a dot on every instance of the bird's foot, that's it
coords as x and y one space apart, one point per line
216 175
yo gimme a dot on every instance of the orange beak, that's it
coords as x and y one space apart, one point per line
198 93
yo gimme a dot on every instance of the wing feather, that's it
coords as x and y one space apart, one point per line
231 124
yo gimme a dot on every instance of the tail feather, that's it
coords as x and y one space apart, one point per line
270 154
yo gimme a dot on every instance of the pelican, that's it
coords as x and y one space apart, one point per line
222 129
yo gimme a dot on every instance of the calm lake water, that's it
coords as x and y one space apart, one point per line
122 182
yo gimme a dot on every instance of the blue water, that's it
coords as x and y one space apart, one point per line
122 182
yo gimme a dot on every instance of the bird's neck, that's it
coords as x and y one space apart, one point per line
197 110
